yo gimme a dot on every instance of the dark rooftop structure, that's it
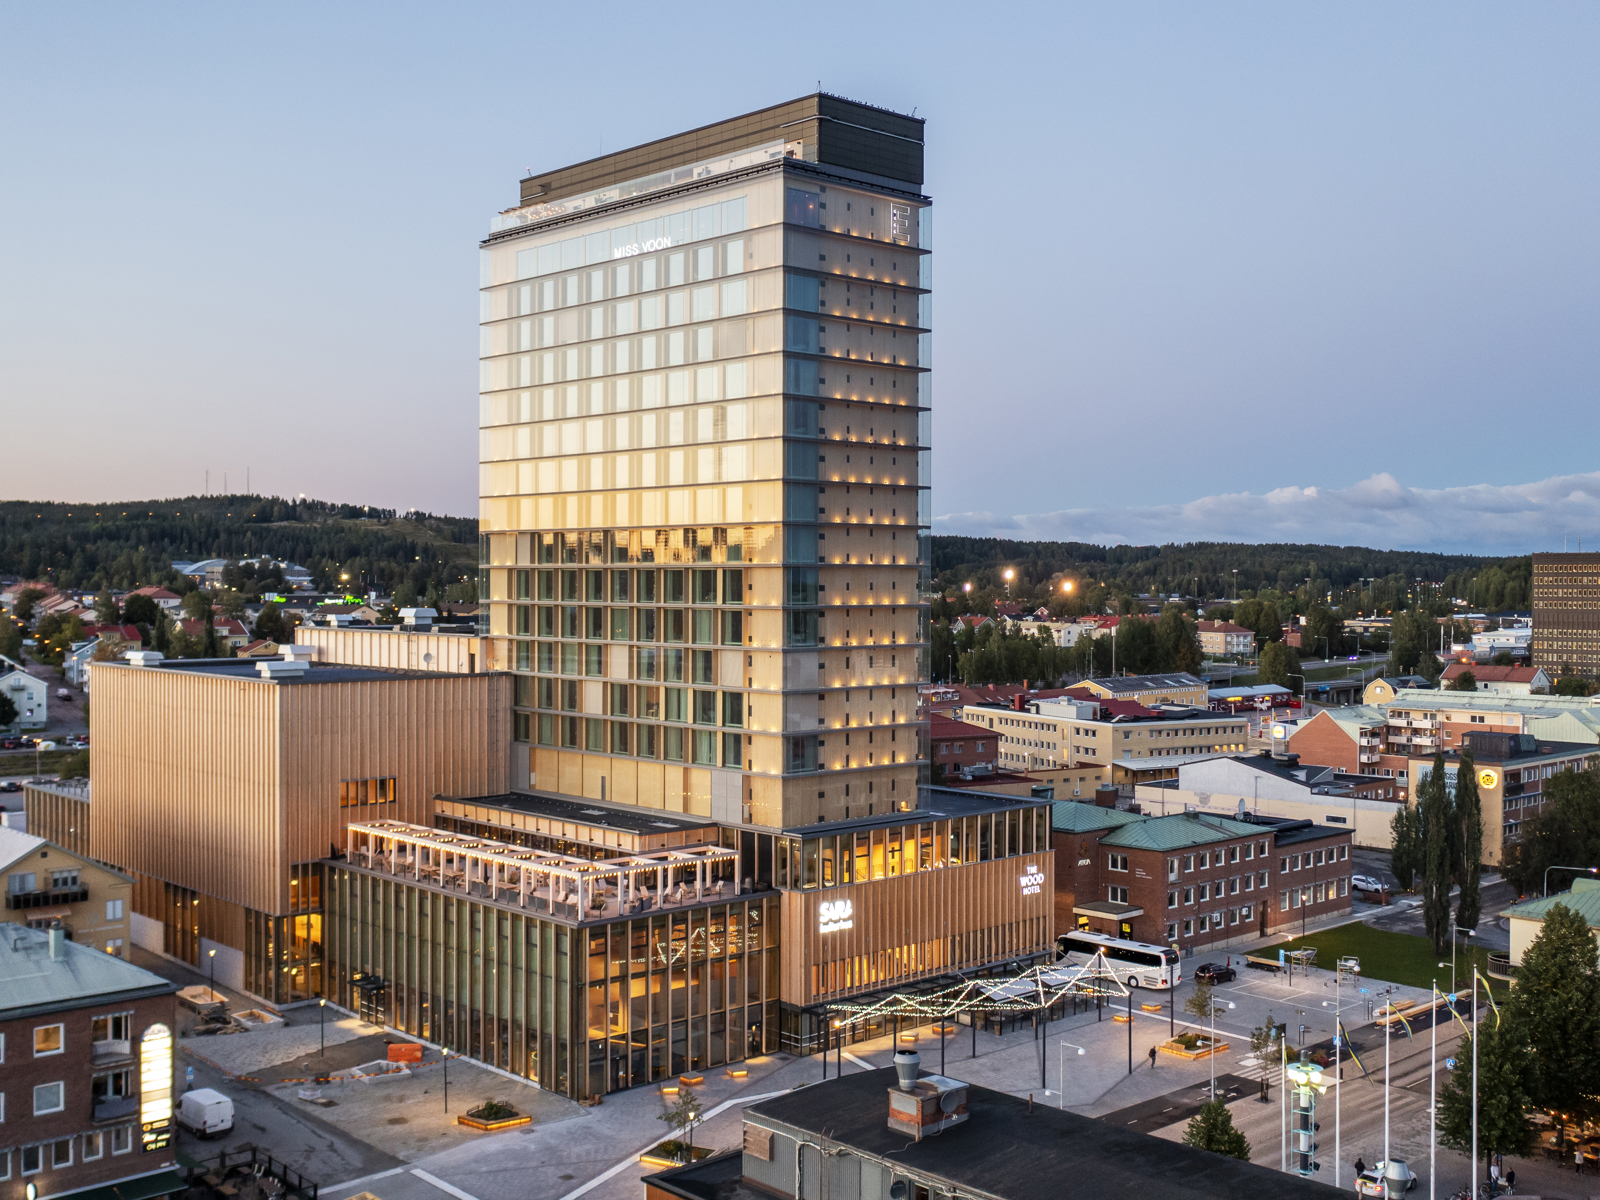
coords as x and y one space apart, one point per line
588 813
831 131
1006 1147
933 804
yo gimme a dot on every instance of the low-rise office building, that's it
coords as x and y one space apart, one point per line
1194 880
1383 739
47 885
1514 770
1082 728
1177 688
87 1085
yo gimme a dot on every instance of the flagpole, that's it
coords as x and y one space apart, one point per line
1433 1097
1388 1022
1474 1176
1338 1073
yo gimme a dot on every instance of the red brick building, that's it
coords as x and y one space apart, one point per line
1192 880
87 1041
958 746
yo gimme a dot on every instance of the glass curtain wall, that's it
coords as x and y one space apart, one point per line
583 1010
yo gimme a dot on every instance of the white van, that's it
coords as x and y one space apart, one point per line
205 1112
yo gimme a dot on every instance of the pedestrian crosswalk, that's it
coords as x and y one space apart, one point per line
1249 1068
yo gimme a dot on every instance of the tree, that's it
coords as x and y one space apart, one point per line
8 711
10 639
269 623
27 600
1503 658
76 767
105 608
1405 860
1504 1078
233 604
1571 685
1321 622
1212 1129
1199 1002
1429 666
196 605
683 1116
1469 859
1464 682
1433 808
141 611
1279 664
54 637
1556 1008
1409 636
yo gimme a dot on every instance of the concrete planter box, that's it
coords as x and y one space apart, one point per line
1203 1048
662 1155
255 1018
497 1123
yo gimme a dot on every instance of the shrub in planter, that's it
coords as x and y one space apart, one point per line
492 1110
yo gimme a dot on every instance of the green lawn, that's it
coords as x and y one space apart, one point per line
1391 957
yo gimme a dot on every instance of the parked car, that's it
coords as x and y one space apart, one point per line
1365 883
63 694
10 785
1215 973
10 743
1372 1182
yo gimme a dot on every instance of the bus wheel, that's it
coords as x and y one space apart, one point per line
1133 981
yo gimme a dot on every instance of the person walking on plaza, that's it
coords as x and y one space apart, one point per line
1152 1058
1360 1166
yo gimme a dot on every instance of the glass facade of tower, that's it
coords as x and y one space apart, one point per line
704 470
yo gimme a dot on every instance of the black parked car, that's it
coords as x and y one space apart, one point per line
1215 973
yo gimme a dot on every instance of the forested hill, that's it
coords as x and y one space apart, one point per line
1226 569
133 543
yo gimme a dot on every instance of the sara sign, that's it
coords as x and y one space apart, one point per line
834 915
1487 778
1032 880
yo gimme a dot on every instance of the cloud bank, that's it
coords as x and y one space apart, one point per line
1378 512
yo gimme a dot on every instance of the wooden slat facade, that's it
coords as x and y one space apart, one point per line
916 926
220 783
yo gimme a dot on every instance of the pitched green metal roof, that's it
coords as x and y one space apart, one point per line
1178 830
1583 899
1072 816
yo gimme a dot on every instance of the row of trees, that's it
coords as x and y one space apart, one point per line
1000 652
1440 837
131 544
1358 578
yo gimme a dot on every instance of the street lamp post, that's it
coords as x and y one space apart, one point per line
322 1024
1009 575
1212 1056
212 955
1547 870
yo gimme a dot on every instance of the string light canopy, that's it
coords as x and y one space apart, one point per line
1033 989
